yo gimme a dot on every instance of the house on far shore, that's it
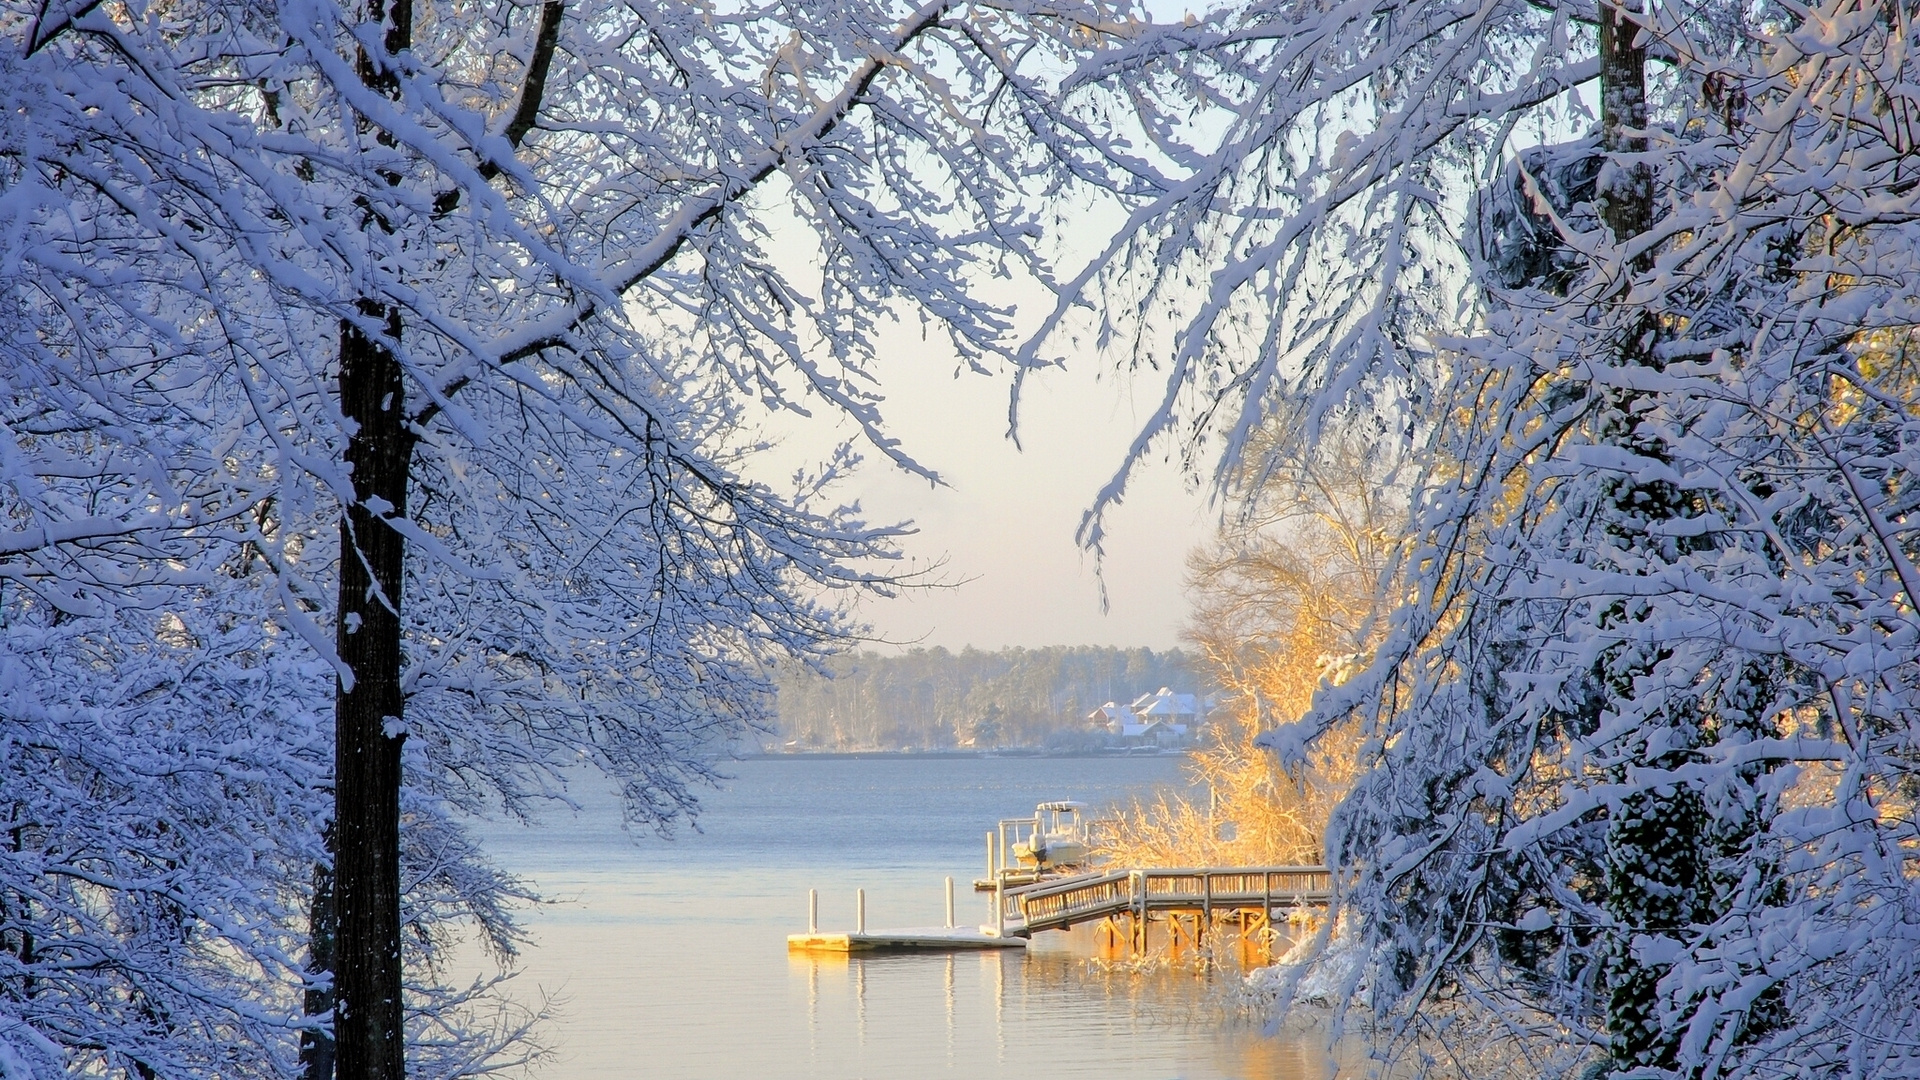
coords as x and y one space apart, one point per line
1184 710
1162 733
1130 728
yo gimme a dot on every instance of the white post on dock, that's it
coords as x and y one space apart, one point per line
813 911
949 903
989 853
860 911
1000 906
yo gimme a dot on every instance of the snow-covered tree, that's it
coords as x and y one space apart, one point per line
444 320
1643 745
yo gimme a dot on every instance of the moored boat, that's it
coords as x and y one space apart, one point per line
1055 840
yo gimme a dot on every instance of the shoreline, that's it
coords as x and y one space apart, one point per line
816 755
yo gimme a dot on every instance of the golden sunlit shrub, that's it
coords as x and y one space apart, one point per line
1284 600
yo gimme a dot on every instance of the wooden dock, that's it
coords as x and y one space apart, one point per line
948 938
933 938
1189 900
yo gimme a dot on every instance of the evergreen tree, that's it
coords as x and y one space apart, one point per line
1626 717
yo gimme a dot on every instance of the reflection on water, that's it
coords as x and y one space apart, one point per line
668 959
995 1013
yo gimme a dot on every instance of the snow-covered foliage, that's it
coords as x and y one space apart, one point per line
159 800
1730 642
164 776
604 234
1643 726
1295 171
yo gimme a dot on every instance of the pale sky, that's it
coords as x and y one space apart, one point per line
1005 524
1008 518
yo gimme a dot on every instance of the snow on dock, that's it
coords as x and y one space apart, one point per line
934 938
946 938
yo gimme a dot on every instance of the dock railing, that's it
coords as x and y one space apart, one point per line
1065 902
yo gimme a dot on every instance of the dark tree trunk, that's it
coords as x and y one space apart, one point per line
19 942
369 1021
356 906
316 1045
1658 868
368 1028
1675 852
1625 186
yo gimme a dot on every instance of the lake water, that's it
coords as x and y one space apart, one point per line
668 958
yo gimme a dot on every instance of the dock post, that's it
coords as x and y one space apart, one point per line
989 853
813 911
1000 906
860 911
949 903
1137 885
1206 906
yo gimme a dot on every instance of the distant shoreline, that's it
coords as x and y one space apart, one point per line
816 755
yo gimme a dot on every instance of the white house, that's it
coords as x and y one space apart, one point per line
1189 710
1164 733
1132 729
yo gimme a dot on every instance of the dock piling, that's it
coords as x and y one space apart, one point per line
949 903
860 911
813 911
1000 906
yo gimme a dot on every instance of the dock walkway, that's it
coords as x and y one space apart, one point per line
1187 900
1252 894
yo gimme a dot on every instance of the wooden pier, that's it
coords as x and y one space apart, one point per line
1189 901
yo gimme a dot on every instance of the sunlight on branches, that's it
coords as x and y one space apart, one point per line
1284 602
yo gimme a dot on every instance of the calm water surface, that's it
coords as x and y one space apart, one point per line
668 957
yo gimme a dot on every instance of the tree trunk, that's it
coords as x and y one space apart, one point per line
369 1021
1673 851
356 908
1625 187
1656 874
368 1027
316 1044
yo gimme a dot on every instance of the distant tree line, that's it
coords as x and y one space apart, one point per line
935 699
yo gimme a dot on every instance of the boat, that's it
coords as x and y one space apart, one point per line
1055 841
1057 838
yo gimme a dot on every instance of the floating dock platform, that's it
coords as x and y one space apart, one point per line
924 939
948 938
